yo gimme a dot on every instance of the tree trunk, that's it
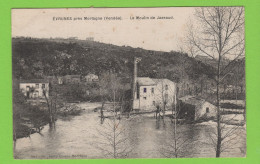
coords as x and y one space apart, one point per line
201 87
244 113
175 128
219 137
224 97
218 122
218 149
101 112
114 126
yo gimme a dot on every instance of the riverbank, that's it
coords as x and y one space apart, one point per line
31 119
231 118
78 137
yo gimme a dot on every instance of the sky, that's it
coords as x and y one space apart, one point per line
152 34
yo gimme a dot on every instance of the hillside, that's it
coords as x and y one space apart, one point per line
209 61
235 68
36 58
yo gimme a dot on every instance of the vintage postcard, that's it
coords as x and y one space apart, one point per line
101 83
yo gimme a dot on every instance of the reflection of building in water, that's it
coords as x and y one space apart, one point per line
34 88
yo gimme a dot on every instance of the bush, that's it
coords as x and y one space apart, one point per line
26 116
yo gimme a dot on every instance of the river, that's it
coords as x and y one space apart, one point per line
79 136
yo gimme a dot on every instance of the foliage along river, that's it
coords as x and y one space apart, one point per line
75 137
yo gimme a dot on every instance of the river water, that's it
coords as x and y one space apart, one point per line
80 136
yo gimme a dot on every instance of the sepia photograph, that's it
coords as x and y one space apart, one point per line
109 83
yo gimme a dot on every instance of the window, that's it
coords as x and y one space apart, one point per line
37 85
207 110
144 90
154 103
152 90
43 85
145 98
166 87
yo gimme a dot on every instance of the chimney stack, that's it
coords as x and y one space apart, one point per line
136 60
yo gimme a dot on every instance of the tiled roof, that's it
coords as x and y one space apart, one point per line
160 80
192 100
149 81
145 81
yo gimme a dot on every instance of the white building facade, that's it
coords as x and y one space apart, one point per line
150 93
34 88
91 78
206 110
195 108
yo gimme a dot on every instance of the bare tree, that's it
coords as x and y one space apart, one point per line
110 86
231 135
178 144
165 90
53 103
218 34
114 141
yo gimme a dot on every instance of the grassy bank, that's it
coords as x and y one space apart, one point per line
28 119
30 116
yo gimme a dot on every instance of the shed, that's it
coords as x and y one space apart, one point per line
194 108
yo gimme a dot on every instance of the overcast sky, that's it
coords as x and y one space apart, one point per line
148 34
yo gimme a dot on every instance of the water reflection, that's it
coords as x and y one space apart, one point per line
75 137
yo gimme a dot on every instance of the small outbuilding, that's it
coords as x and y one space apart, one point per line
91 78
72 79
34 88
194 108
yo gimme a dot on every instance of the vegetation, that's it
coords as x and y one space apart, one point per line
219 34
27 119
36 58
114 142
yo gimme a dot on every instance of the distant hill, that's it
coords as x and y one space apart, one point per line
236 67
36 58
209 61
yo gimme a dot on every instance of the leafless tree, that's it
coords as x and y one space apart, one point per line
53 103
218 34
178 144
110 86
231 135
114 141
166 90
